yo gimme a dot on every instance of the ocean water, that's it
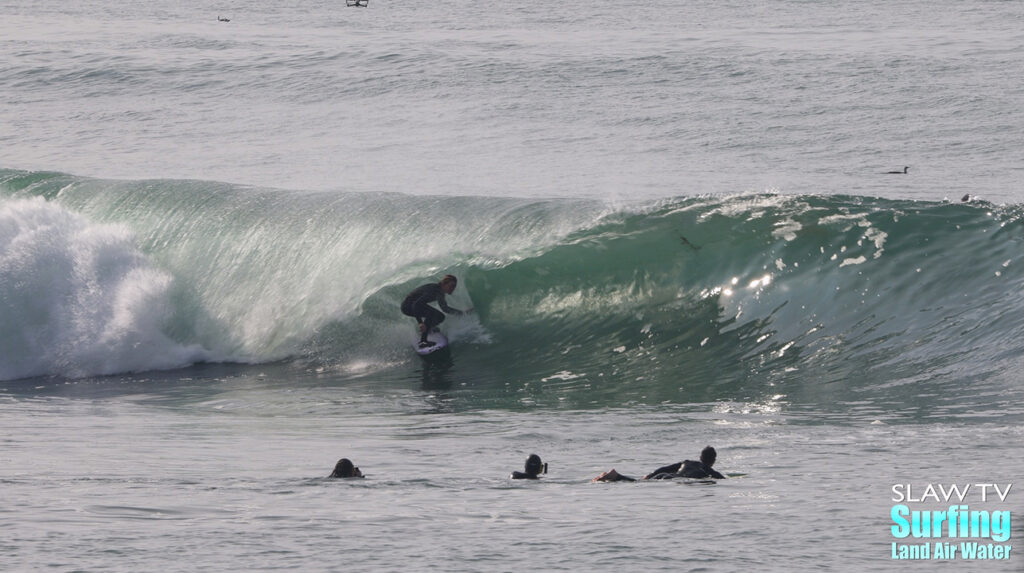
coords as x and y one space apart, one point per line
676 226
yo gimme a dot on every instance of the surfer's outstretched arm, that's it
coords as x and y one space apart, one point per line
444 306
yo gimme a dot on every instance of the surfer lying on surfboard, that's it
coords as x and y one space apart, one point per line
683 469
416 305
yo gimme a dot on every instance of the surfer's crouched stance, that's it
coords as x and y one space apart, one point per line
346 469
416 305
683 469
533 468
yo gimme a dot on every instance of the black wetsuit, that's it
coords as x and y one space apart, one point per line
416 305
685 469
532 469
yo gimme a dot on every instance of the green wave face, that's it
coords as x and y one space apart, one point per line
689 299
755 297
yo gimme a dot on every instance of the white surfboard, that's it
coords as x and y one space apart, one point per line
440 343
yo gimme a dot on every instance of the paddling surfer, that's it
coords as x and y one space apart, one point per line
532 469
683 469
346 469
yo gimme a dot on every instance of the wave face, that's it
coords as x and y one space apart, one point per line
690 298
231 273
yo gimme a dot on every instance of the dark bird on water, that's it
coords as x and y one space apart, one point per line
904 172
219 19
687 242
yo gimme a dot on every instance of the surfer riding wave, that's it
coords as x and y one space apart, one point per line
416 305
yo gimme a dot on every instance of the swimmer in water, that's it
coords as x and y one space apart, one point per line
534 467
683 469
346 469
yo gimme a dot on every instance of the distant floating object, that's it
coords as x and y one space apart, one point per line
966 198
904 172
359 3
687 242
219 19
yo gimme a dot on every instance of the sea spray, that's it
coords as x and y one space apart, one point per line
79 298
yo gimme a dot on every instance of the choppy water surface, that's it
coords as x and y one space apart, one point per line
227 471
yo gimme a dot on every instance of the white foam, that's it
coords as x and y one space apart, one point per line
78 298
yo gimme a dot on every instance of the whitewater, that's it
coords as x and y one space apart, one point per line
676 224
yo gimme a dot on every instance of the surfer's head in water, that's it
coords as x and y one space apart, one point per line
346 469
533 468
708 456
